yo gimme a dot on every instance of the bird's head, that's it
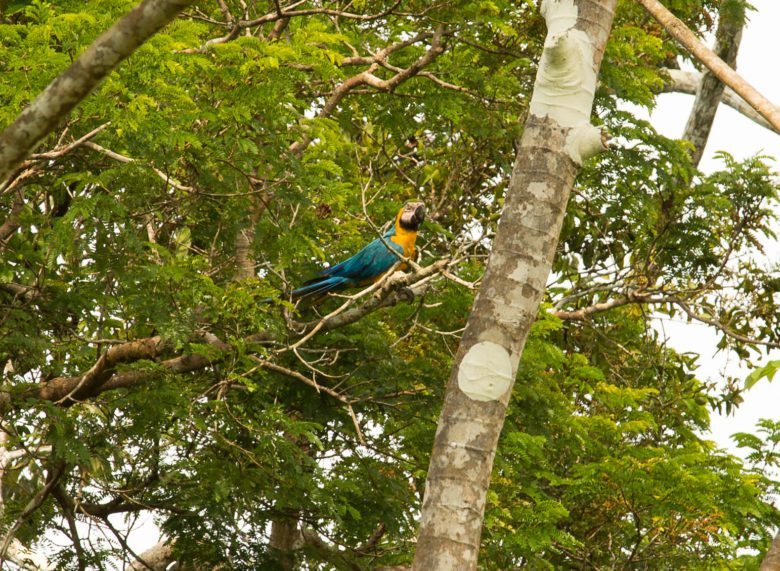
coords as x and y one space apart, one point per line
411 216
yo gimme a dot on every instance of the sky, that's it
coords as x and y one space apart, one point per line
742 138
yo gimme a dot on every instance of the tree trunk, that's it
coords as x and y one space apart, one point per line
771 560
710 89
557 138
285 542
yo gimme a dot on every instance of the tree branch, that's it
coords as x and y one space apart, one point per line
721 327
687 82
25 558
67 506
157 558
123 159
37 500
717 66
280 15
328 552
367 77
63 94
69 390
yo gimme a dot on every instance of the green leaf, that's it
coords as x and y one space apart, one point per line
766 372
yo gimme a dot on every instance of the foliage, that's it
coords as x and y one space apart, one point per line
767 371
211 147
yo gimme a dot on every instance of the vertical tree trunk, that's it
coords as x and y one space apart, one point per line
710 89
285 542
771 560
557 137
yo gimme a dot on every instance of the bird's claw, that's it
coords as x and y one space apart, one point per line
406 294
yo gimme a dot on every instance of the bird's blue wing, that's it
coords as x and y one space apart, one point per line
368 264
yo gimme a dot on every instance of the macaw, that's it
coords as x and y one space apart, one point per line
373 261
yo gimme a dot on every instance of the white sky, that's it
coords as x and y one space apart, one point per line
757 63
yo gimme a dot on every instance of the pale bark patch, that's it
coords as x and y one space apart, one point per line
485 373
566 80
584 142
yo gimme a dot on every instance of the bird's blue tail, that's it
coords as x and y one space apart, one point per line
321 286
313 290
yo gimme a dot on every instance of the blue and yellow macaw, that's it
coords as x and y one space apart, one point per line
373 261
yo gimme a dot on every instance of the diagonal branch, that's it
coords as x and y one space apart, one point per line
67 90
717 66
367 77
68 390
62 150
102 376
54 476
124 159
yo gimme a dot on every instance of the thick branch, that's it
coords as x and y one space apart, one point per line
74 84
717 66
102 376
327 552
69 390
156 558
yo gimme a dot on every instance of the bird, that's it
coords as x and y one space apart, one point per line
372 262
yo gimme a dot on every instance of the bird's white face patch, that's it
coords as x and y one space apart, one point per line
485 373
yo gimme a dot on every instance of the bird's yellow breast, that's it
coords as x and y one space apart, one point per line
405 239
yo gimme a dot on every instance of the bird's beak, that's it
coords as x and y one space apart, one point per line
419 213
412 215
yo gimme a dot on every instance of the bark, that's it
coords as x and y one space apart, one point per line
73 389
710 89
16 552
285 541
67 90
557 137
771 560
717 66
25 558
245 263
157 558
